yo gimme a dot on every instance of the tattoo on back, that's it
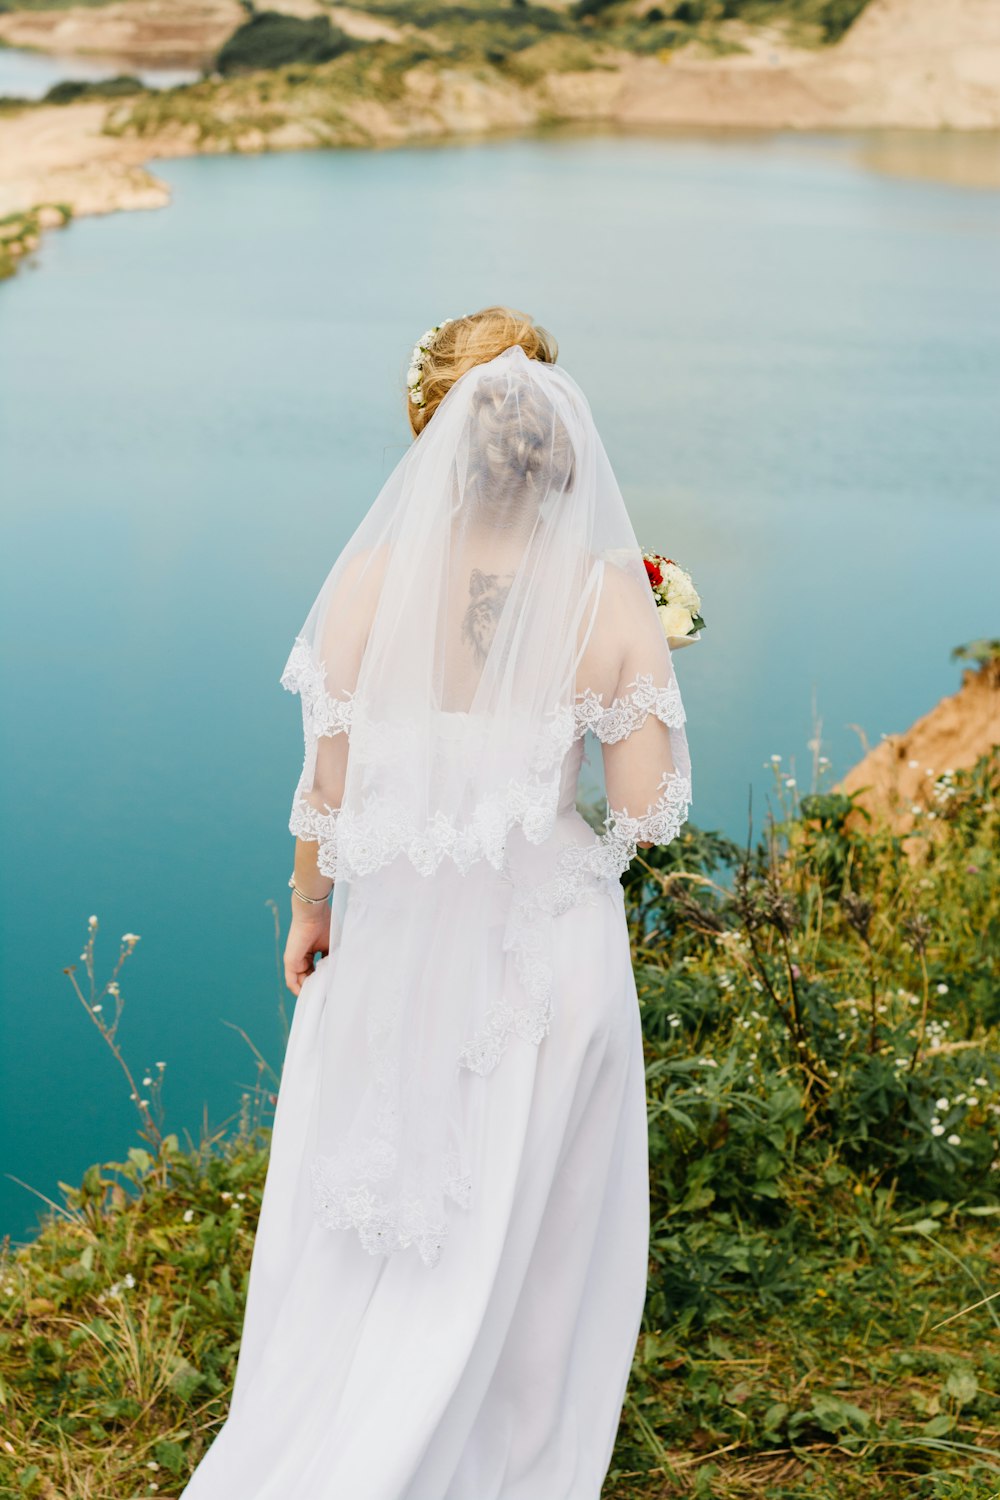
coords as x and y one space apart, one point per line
488 596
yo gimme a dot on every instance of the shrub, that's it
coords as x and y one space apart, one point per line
820 1016
69 89
272 40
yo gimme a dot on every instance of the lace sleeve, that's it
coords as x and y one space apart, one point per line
646 766
323 670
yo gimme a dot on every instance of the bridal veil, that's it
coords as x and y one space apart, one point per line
445 670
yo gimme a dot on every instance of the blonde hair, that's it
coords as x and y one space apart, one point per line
474 340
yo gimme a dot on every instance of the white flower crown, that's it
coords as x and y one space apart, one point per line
415 374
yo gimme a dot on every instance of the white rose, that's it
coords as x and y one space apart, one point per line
681 589
675 619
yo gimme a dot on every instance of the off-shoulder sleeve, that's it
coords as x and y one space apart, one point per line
647 770
322 669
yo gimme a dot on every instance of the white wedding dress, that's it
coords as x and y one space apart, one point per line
450 1267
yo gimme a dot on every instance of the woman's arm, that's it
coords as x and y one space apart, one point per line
339 651
309 933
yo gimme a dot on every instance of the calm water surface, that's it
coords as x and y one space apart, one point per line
25 74
794 363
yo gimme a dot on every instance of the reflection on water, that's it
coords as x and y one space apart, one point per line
793 362
965 158
29 75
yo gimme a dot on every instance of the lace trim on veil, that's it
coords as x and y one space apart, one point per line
354 844
582 871
345 1196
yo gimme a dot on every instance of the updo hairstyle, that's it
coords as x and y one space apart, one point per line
475 340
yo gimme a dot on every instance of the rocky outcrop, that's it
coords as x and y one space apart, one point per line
60 155
142 33
900 773
913 64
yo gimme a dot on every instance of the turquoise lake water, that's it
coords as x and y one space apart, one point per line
26 74
795 364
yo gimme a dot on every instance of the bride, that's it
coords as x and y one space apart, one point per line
450 1267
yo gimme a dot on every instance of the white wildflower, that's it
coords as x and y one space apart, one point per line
188 1215
937 1130
954 1140
942 989
941 1104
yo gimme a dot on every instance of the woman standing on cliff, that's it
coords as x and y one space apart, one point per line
450 1267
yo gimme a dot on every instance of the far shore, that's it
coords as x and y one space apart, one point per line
914 86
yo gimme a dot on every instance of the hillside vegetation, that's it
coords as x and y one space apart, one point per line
822 1019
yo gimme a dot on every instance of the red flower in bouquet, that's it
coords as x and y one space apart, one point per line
677 601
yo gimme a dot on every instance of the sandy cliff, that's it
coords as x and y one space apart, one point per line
905 63
176 33
899 774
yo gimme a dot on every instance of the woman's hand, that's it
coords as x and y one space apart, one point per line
308 935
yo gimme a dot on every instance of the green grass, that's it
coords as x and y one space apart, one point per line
823 1076
20 233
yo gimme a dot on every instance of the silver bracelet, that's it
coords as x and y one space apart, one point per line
310 900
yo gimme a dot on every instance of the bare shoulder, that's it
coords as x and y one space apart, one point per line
622 590
367 568
623 612
608 636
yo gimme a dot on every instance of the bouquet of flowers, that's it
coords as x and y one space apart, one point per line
677 601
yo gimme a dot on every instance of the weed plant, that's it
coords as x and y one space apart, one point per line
821 1017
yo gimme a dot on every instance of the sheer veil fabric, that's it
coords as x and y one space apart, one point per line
491 608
